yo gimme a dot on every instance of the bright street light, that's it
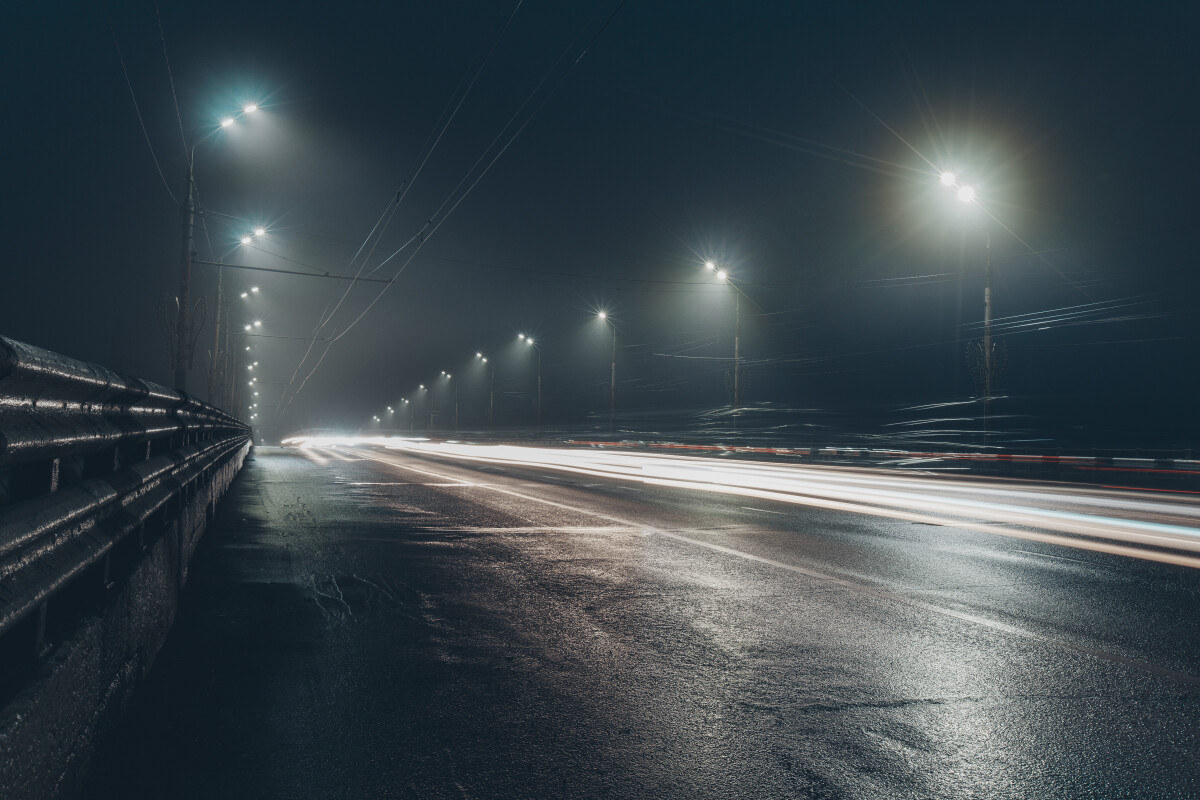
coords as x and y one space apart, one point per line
949 179
258 323
250 109
254 290
225 123
248 327
710 266
246 240
722 275
260 232
602 315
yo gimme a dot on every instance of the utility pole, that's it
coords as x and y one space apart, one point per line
183 331
539 390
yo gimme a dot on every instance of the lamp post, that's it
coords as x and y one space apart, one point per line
185 338
612 385
219 366
529 341
966 194
722 275
491 389
450 378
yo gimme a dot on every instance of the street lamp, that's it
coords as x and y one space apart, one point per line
612 387
723 276
491 389
967 194
529 341
450 378
184 349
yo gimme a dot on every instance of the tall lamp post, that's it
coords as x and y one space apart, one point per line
529 341
722 275
966 194
612 384
219 366
491 389
185 338
450 378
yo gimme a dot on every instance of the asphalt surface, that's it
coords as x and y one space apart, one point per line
368 623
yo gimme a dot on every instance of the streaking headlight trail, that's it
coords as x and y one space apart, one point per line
1148 525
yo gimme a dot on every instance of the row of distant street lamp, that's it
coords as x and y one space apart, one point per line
965 193
529 341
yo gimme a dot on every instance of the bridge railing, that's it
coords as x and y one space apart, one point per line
93 466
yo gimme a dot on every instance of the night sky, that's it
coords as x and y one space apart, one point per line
797 145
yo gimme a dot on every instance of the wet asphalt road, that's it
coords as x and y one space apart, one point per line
365 624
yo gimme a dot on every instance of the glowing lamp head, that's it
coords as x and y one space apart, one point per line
602 315
248 327
722 275
479 355
710 266
528 340
225 123
253 289
422 386
260 231
948 179
250 108
245 240
485 360
966 194
258 323
245 294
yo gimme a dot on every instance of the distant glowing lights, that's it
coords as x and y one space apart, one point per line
949 179
225 123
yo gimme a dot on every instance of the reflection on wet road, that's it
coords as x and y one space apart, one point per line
449 621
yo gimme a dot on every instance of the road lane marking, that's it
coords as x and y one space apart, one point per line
854 586
763 510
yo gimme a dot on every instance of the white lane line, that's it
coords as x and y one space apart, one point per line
762 510
860 588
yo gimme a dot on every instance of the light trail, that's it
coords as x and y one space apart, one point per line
1146 527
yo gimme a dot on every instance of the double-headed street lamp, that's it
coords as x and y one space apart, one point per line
723 275
612 386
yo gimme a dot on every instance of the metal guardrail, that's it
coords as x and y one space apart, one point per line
92 465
